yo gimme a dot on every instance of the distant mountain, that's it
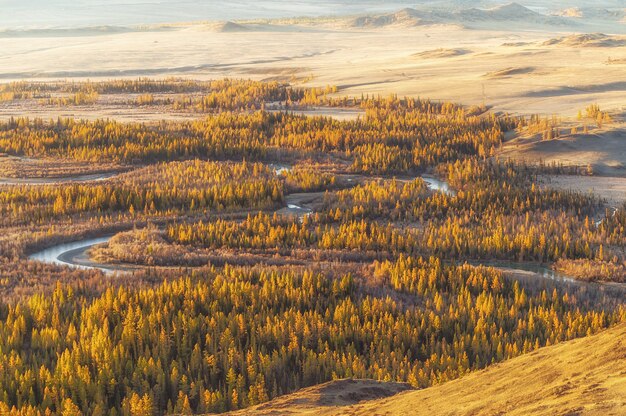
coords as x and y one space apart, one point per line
406 17
469 17
511 11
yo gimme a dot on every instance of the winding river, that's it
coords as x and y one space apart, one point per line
74 254
95 177
438 185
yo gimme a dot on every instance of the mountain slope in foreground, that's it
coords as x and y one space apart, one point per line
586 376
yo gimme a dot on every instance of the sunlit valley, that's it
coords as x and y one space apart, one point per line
312 208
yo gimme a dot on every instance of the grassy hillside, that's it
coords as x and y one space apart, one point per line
585 376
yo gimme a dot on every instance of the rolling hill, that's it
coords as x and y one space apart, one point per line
586 376
465 17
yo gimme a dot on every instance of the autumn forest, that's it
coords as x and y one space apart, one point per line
261 241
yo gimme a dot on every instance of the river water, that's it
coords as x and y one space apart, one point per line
437 185
96 177
74 254
66 254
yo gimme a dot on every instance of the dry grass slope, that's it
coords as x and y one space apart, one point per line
597 40
602 148
328 398
585 376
